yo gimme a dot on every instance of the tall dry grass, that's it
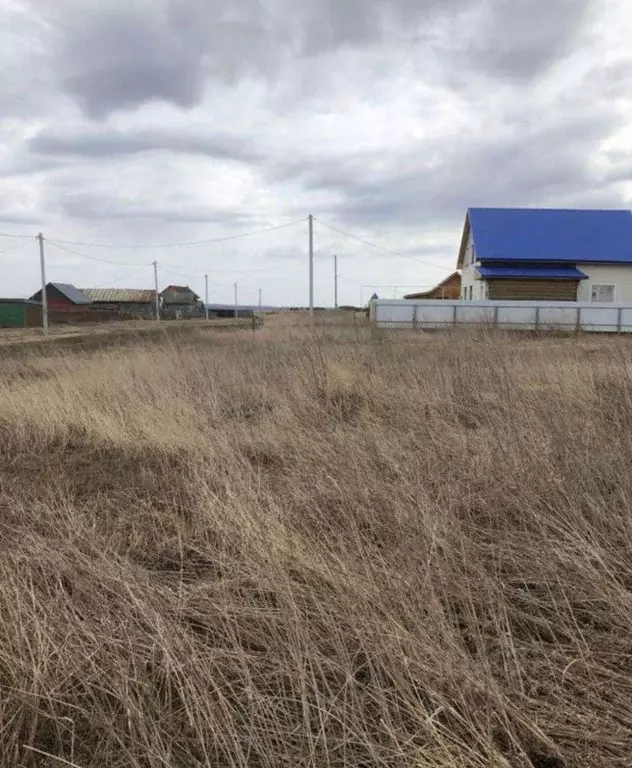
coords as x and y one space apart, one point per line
305 553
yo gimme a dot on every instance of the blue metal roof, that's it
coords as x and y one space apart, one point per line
541 234
531 272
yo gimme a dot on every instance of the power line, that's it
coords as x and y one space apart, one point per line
178 245
233 271
248 271
169 270
94 258
11 234
57 244
12 248
120 278
382 248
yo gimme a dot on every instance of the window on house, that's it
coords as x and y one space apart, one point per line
602 293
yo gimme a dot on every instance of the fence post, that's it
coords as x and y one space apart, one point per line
496 317
619 318
537 318
454 311
578 321
415 308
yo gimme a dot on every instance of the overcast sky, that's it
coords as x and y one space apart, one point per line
140 122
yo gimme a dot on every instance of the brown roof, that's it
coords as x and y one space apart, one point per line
183 289
437 287
120 295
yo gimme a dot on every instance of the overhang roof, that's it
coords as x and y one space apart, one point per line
530 272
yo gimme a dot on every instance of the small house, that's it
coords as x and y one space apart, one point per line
546 255
180 301
63 298
450 288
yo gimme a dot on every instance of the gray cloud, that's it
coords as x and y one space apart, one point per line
518 40
25 164
283 253
519 160
108 142
122 54
14 211
8 217
120 57
25 87
102 206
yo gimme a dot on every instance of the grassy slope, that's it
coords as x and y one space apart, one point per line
315 554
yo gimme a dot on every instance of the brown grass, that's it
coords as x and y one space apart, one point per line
326 551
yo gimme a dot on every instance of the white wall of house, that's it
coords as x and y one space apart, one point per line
471 288
618 275
479 290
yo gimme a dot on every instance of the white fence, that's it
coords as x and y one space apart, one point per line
519 315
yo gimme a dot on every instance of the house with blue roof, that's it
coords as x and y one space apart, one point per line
546 255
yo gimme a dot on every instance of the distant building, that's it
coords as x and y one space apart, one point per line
450 288
546 254
19 313
63 298
228 310
125 301
180 301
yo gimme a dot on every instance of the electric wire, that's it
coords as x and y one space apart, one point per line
181 244
381 247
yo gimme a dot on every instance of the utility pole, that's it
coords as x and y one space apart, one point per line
336 281
311 264
260 312
40 237
206 296
156 290
236 300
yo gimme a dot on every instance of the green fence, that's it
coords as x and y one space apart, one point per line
12 314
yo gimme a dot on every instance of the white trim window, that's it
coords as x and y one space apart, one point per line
605 293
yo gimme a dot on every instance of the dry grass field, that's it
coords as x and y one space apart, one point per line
317 550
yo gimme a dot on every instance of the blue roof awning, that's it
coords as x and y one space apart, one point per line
526 272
